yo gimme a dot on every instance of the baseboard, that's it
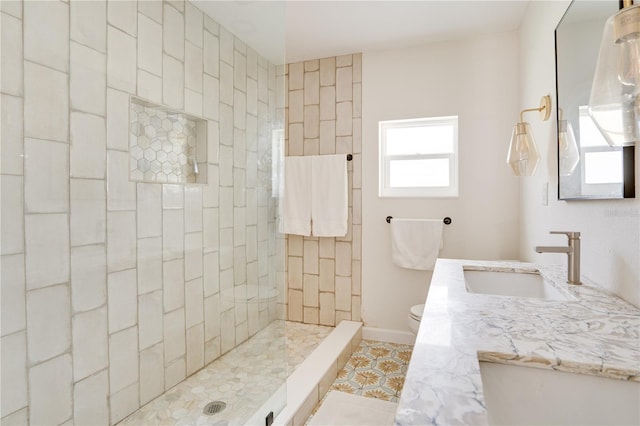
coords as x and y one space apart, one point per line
387 335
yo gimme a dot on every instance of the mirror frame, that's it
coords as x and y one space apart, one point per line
628 152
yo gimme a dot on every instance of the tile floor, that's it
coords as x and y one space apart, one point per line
244 378
375 370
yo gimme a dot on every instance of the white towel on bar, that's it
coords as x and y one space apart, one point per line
415 243
329 195
297 195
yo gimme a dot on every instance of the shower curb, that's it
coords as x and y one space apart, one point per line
309 382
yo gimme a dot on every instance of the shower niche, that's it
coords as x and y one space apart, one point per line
166 146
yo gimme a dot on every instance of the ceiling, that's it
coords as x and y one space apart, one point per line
301 30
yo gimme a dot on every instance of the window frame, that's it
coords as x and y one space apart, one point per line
384 172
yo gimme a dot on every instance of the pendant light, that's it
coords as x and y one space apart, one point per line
568 155
614 104
523 156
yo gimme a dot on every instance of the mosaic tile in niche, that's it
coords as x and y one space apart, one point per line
163 144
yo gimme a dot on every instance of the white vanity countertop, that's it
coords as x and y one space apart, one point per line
596 334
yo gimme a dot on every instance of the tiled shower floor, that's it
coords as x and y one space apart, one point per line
251 372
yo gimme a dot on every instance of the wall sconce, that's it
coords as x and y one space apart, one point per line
568 155
614 104
523 156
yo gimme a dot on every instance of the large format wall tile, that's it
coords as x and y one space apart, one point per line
47 249
11 56
46 103
89 23
48 322
87 79
115 290
46 33
50 385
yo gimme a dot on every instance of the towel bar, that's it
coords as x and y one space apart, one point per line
447 220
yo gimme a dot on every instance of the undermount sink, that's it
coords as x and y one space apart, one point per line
516 395
520 283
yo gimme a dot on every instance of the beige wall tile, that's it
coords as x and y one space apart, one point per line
343 259
357 67
310 289
312 146
296 76
344 60
295 245
342 316
343 293
357 100
328 137
327 277
311 315
344 82
357 135
310 257
296 106
312 88
328 103
295 273
311 121
328 71
327 247
327 309
295 305
355 308
313 65
344 121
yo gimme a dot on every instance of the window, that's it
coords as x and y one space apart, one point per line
419 157
600 163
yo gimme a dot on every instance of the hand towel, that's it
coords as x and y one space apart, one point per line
297 195
415 243
329 195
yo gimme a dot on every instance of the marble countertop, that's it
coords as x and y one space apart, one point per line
597 333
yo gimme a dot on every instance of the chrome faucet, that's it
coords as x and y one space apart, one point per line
573 254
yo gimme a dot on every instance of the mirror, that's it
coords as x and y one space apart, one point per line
588 168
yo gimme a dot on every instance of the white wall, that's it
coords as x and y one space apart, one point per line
610 229
475 79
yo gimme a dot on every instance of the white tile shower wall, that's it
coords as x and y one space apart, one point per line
105 281
324 117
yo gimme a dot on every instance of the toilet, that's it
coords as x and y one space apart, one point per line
415 315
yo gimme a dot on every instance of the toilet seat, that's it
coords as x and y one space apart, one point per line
416 312
414 317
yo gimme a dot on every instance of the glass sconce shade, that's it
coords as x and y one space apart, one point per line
523 156
614 104
568 154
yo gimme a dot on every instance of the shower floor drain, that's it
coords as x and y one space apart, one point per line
214 407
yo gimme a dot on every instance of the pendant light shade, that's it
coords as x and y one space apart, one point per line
523 156
614 104
568 154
